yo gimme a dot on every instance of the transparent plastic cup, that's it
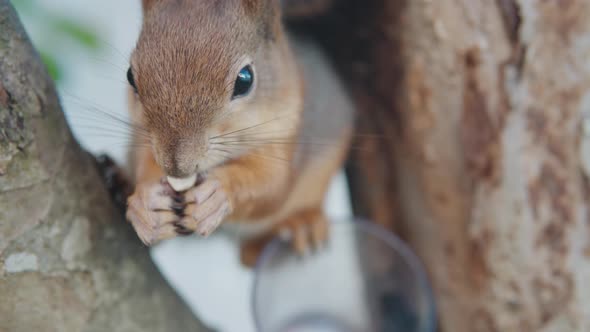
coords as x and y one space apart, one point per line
364 280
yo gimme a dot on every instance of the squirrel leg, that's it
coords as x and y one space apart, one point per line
307 229
251 249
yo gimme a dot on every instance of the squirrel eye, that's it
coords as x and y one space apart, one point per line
244 82
131 79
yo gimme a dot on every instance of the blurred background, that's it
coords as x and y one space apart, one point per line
86 46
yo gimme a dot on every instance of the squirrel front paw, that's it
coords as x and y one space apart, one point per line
207 205
154 210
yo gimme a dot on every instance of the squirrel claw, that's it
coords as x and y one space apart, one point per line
207 207
150 213
307 230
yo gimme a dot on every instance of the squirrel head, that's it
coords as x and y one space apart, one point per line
202 69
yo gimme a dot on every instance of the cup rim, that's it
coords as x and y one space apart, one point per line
372 229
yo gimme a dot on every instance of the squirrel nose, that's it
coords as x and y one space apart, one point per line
178 166
178 159
178 169
175 171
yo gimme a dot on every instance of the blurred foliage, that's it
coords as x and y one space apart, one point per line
83 35
57 28
52 66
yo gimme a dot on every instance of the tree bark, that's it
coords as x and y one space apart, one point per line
481 156
68 260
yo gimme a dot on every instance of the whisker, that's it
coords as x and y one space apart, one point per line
105 61
113 130
122 121
270 143
114 79
270 158
257 134
111 136
126 146
227 152
87 119
94 119
107 136
240 130
268 135
278 142
247 128
252 153
88 113
120 125
101 132
113 48
89 105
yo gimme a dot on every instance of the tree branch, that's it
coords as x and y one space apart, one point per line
68 260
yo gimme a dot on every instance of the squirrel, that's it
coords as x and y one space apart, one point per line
239 124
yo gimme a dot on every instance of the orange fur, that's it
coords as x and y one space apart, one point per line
184 66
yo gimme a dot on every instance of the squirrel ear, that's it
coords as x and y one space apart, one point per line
269 12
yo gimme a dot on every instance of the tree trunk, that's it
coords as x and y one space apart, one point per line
68 260
479 163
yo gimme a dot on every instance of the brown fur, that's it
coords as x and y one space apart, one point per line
185 63
184 84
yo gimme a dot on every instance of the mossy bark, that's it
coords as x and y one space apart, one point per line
68 260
